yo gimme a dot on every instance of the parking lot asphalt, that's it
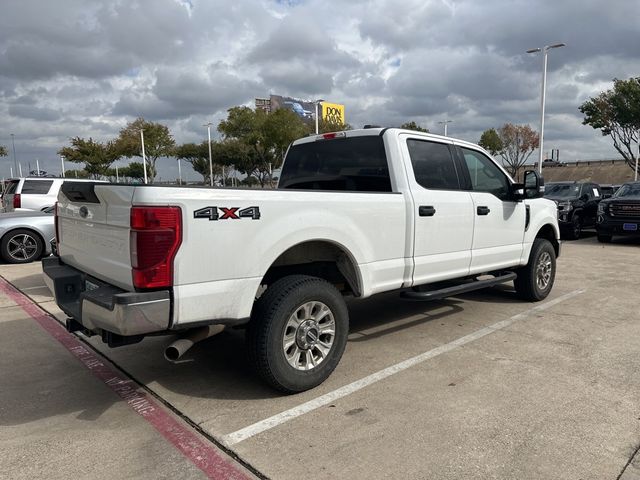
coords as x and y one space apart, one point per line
476 386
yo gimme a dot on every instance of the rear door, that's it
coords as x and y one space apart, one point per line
593 197
443 215
499 225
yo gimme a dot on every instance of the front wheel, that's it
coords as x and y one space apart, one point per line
297 333
575 229
535 279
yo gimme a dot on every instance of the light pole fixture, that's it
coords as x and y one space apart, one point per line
15 162
317 102
208 125
544 51
445 122
144 157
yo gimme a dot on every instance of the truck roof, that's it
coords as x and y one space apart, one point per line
381 131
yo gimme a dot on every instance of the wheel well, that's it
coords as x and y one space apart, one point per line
547 232
317 258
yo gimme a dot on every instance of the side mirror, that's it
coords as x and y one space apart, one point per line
533 185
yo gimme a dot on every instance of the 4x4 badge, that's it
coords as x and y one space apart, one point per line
227 213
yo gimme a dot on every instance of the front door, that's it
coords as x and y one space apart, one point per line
499 221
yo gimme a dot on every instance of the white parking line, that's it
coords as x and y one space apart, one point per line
280 418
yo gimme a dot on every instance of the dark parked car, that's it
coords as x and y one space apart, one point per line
620 214
577 205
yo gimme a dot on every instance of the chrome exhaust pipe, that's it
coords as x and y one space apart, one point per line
179 347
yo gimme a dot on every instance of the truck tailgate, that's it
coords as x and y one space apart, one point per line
93 226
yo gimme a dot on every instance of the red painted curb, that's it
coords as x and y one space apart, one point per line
205 456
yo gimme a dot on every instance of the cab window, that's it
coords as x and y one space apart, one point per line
485 175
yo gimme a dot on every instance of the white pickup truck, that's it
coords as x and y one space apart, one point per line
355 213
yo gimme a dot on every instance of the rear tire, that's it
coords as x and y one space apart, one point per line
21 246
604 238
297 333
535 279
575 229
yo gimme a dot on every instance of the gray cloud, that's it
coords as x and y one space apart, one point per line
86 67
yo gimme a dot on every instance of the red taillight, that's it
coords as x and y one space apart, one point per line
17 203
156 234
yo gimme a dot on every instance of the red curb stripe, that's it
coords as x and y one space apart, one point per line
203 455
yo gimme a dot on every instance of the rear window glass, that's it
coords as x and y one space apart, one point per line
357 164
11 186
37 187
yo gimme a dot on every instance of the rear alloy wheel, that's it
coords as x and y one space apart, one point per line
298 332
21 246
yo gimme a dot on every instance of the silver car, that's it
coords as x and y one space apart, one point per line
25 236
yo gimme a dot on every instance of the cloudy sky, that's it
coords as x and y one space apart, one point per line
87 67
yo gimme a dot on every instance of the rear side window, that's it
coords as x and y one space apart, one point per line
357 164
37 187
12 186
433 165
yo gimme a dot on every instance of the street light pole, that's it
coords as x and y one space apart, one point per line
544 51
445 122
208 125
13 142
144 157
317 102
62 164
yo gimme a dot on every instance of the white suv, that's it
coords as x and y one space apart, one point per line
33 193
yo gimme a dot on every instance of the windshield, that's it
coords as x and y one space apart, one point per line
562 190
628 190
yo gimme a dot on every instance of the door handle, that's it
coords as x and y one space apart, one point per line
426 211
483 210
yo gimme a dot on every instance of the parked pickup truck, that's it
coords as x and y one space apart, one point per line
355 213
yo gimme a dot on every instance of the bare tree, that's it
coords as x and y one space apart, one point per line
518 143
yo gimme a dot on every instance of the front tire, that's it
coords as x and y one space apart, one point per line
575 229
535 279
21 246
297 333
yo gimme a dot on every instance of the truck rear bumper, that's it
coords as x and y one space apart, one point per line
102 307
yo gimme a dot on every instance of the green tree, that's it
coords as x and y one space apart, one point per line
3 151
326 126
158 142
283 127
256 140
616 113
518 143
96 156
414 126
490 141
77 173
134 171
197 154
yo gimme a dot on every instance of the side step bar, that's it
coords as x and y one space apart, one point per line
458 289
